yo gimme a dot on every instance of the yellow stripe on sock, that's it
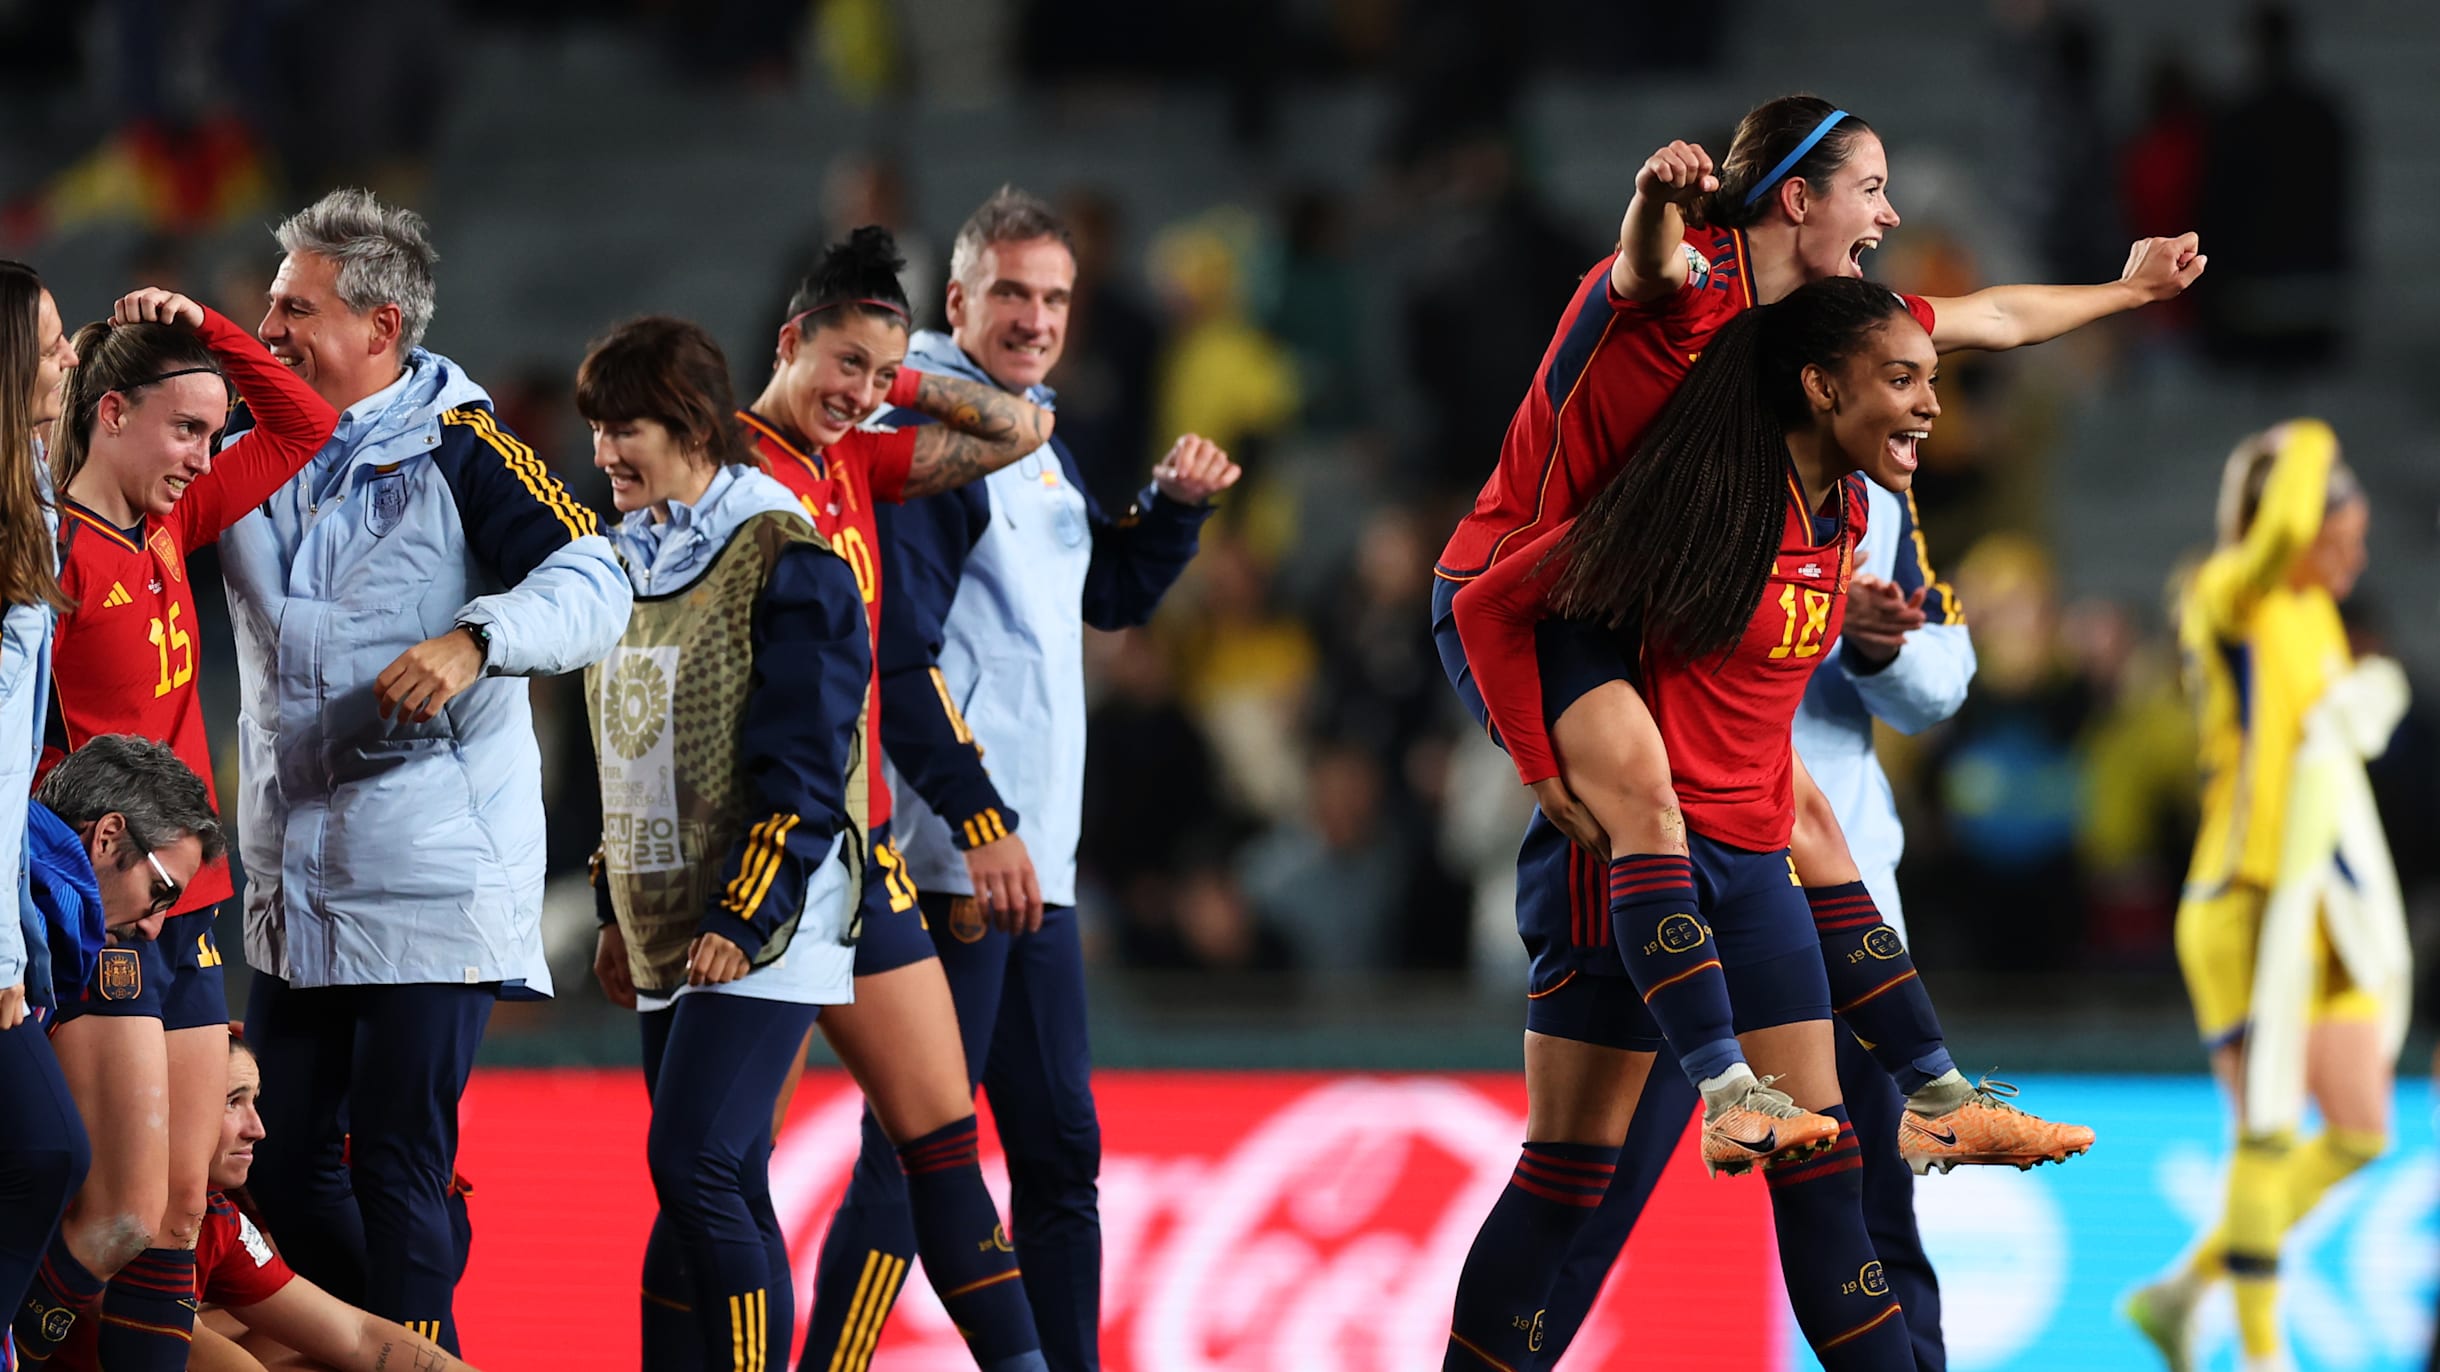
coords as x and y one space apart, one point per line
993 1280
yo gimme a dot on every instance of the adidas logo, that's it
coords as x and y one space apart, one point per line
118 596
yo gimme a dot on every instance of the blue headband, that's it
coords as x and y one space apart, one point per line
1788 163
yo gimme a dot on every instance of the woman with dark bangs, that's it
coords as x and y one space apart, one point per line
728 724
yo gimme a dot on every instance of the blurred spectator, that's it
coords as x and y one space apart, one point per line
870 187
2280 264
1381 680
1223 377
1105 378
1249 666
1478 317
1317 315
1335 875
2160 175
2160 170
2137 830
1151 792
2076 225
1213 928
2000 871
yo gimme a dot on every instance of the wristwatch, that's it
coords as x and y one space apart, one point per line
481 636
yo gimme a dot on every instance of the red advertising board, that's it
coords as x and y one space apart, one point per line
1252 1222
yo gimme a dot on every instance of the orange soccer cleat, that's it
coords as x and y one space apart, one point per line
1982 1129
1759 1125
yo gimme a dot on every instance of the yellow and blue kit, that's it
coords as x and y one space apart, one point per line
2259 652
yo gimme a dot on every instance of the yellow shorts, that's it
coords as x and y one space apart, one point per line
2216 939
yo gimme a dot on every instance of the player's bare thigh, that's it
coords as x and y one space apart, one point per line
899 1040
198 1062
1577 1092
1612 759
2348 1071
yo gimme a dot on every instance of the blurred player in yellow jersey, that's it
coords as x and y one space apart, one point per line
2273 684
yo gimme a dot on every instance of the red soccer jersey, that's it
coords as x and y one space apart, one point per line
1726 723
235 1266
124 659
838 487
1609 370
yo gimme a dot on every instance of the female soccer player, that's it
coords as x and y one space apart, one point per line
2264 650
44 1153
734 783
1801 197
142 488
839 358
1718 555
262 1313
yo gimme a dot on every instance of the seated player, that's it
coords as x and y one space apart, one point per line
259 1315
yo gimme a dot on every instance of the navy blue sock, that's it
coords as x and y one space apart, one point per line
63 1293
966 1251
148 1313
865 1255
1874 988
1835 1283
1661 1113
1501 1293
1672 959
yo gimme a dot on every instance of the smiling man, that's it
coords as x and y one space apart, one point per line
386 602
983 718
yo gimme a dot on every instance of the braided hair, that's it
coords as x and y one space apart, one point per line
1676 550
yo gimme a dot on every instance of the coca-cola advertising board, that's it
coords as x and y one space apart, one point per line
1306 1222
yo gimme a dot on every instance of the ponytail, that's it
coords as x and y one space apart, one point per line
118 357
1766 138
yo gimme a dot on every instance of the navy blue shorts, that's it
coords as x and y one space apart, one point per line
132 981
895 934
1768 946
1575 657
197 997
1577 987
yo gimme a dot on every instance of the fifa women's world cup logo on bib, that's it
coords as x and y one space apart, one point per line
639 784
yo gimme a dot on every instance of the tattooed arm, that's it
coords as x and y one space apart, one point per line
978 429
334 1334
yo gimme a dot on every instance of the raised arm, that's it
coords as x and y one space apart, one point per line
978 429
2285 523
2001 317
1651 259
1137 559
291 422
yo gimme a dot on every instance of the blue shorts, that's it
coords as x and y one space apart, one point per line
1575 657
895 934
1577 987
131 981
1768 946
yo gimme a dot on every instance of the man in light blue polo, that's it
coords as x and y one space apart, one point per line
983 720
388 603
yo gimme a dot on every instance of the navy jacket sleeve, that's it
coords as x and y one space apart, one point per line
804 710
924 545
564 600
1136 559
